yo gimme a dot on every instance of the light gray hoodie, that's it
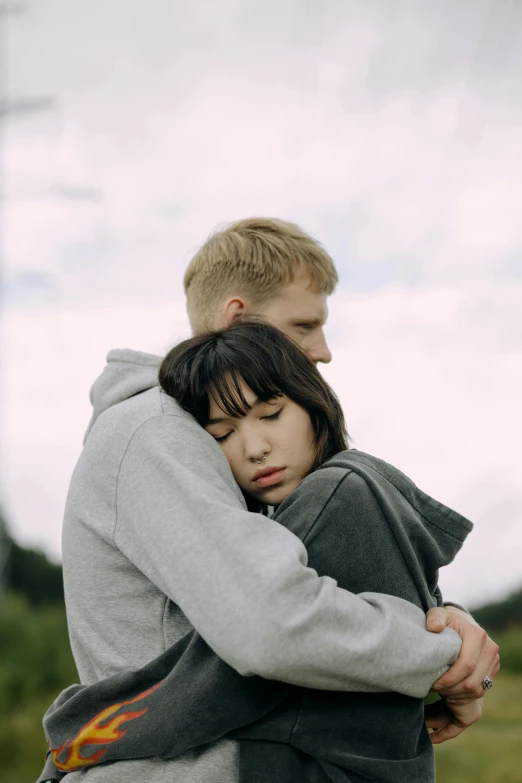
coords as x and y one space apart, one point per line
157 540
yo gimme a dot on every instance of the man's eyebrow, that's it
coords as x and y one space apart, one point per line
220 419
312 321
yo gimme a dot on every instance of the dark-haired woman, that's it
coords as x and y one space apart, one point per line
364 524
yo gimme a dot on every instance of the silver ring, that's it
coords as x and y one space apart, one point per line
259 460
487 683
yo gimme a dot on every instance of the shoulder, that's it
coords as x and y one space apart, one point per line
332 489
329 485
149 438
336 474
150 426
151 411
368 473
342 483
339 476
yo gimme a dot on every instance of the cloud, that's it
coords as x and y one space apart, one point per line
494 502
442 411
51 358
418 392
243 118
375 129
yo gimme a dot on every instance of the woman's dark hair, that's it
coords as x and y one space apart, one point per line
270 362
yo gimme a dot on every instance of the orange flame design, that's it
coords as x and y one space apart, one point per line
95 734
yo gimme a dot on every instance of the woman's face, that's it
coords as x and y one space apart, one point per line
280 430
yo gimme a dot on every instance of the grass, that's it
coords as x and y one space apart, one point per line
491 750
22 744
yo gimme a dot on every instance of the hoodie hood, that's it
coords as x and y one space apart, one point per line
429 533
126 374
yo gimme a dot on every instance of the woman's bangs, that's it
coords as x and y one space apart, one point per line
226 391
226 386
265 384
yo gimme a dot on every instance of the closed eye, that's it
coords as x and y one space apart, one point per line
274 415
223 438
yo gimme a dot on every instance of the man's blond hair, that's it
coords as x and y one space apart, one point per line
253 257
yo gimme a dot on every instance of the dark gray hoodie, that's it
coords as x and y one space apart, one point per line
157 542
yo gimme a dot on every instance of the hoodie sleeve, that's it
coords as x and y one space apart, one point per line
243 582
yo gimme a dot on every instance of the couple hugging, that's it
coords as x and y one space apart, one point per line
247 596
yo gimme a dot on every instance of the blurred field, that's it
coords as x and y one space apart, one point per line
490 751
36 663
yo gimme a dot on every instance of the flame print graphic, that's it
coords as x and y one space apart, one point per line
94 733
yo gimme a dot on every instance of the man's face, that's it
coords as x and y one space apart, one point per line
300 311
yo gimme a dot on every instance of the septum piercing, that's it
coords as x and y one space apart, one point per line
259 460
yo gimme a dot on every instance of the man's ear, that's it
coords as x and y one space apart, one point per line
233 310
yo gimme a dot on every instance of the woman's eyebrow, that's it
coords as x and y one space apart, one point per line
217 421
220 419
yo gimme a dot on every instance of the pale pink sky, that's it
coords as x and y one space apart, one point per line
393 138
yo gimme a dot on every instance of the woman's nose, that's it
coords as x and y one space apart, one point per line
259 455
257 449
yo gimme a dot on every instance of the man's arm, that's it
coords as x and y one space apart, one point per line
242 579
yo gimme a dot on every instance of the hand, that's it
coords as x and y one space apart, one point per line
450 720
478 656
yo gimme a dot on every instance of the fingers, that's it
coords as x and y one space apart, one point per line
473 641
474 670
478 656
436 619
472 687
437 715
463 716
448 732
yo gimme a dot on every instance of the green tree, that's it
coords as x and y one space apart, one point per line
28 571
500 615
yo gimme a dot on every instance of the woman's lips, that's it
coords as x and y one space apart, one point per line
269 476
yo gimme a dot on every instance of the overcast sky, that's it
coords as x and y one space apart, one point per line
390 130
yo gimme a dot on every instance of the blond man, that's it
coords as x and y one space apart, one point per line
157 539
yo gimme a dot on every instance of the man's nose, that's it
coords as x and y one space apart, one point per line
319 351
